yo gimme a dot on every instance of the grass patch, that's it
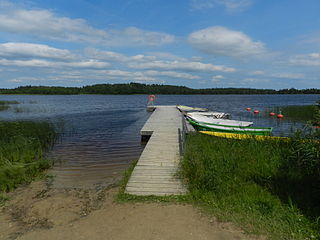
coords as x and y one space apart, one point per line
22 148
245 181
4 107
8 102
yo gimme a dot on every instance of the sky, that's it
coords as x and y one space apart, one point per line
195 43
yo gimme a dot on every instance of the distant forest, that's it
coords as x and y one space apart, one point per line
137 88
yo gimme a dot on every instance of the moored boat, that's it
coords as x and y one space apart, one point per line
214 115
243 136
218 127
209 120
183 108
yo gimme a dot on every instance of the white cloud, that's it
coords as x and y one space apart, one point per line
171 74
217 78
225 42
182 66
231 6
151 73
116 57
50 64
258 72
44 24
311 59
288 75
249 80
29 50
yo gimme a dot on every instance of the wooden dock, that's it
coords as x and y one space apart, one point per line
155 172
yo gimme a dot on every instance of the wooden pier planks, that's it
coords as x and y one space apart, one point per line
155 172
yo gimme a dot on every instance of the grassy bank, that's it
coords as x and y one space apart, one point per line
22 148
265 187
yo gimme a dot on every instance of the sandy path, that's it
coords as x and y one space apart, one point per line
38 212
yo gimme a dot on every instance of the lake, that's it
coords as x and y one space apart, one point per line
100 134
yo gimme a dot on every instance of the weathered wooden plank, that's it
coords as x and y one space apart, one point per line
155 172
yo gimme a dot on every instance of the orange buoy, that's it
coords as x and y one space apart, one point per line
248 109
280 115
272 114
256 111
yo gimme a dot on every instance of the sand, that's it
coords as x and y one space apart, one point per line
38 211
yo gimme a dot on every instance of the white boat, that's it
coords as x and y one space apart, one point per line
214 115
223 122
183 108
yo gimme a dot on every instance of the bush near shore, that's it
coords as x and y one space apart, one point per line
22 148
266 187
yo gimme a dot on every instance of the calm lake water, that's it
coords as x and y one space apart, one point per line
100 136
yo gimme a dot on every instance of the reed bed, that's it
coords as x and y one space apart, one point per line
266 187
5 105
302 113
22 151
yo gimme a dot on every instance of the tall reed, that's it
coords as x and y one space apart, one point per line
242 181
22 148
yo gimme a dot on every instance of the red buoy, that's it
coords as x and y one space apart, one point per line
280 115
151 98
256 111
272 114
248 109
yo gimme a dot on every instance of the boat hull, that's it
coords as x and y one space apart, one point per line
230 129
244 136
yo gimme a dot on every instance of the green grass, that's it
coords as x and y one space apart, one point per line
8 102
246 182
22 148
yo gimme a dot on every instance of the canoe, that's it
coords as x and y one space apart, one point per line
214 115
183 108
243 136
225 122
264 131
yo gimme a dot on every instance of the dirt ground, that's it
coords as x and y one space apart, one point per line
38 212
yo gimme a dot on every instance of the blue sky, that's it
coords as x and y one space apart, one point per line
196 43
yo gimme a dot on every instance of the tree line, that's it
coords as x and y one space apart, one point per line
138 88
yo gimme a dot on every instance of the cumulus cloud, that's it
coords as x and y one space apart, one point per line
116 57
29 50
150 73
225 42
182 66
258 72
217 78
44 24
38 63
311 59
231 6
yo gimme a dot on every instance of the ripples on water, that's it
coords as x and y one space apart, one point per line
101 135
